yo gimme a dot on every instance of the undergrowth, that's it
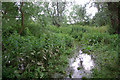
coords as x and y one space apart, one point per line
44 51
96 41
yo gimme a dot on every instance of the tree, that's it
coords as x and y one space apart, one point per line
100 19
21 17
78 14
110 8
9 17
113 9
56 12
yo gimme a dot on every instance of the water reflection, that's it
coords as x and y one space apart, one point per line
81 65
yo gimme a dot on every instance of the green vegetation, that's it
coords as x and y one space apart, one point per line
41 55
104 47
37 41
47 54
98 42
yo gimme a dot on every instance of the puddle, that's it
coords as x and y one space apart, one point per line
80 65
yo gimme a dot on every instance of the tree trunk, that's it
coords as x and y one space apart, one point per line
113 8
21 17
119 18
